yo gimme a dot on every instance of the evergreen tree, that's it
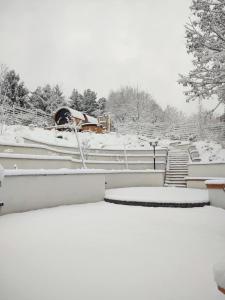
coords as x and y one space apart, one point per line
47 99
57 99
76 100
89 104
13 90
102 105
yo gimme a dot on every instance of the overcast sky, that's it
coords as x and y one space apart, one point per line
98 44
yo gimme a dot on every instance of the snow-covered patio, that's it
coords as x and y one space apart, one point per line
106 251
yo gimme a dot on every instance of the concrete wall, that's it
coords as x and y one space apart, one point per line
95 150
45 150
41 162
28 192
20 161
122 165
130 157
217 197
206 170
129 178
34 189
196 184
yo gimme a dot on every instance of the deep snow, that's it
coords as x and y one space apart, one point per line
104 251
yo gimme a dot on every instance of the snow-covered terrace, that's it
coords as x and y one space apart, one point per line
105 251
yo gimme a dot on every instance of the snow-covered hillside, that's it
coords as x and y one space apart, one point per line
209 151
89 140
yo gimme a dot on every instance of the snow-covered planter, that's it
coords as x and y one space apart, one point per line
158 197
201 169
194 154
216 189
24 190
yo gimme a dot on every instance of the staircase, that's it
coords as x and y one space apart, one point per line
177 168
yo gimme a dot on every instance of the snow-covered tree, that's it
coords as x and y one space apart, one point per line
172 115
75 100
129 104
102 105
13 91
205 36
47 99
89 104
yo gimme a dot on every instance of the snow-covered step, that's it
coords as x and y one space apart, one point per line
177 168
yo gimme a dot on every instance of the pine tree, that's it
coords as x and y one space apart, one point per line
13 90
76 100
47 99
57 99
89 104
102 105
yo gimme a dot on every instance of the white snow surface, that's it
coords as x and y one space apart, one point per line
75 113
88 139
64 171
215 181
158 194
210 151
103 251
219 273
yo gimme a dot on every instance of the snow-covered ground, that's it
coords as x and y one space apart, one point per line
88 140
209 151
105 251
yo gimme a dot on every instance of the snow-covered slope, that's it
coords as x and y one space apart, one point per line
210 151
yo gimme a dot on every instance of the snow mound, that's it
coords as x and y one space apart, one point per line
158 196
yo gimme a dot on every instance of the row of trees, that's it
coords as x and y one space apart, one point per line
125 105
46 99
131 105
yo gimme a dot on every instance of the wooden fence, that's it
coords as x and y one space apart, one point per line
13 115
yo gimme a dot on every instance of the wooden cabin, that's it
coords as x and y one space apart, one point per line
66 115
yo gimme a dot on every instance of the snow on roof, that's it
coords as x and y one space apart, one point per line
74 113
91 119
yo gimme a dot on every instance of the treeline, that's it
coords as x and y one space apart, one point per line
131 105
125 105
47 98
